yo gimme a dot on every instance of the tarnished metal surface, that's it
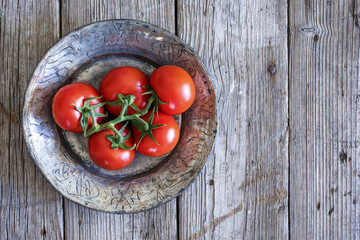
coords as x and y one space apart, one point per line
85 55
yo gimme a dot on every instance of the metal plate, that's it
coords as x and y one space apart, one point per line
86 54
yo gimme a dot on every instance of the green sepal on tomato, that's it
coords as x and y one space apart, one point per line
126 81
105 155
70 97
175 87
166 133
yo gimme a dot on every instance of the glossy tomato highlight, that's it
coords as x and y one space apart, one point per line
104 156
175 87
166 136
63 110
126 81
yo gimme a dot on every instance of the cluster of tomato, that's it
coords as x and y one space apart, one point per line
130 97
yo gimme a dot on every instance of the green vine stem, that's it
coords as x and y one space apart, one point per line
125 101
88 111
118 141
156 99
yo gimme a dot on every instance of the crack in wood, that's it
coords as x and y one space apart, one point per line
215 223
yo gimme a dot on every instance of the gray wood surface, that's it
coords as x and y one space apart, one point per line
30 207
242 192
285 162
324 116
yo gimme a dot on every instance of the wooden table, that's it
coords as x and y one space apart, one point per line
286 158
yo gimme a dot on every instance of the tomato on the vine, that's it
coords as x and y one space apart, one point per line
126 81
166 136
104 156
63 109
175 87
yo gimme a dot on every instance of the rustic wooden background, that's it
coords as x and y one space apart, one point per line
286 161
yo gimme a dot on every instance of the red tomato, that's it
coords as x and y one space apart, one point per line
104 156
174 86
167 136
65 114
127 81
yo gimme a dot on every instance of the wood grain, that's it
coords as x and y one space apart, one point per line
78 13
243 191
324 115
30 207
83 223
262 86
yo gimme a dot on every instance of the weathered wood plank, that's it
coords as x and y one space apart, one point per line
324 115
243 192
83 223
30 207
77 13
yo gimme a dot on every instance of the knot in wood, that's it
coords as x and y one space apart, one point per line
316 38
272 69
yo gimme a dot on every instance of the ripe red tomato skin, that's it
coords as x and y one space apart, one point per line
174 86
167 136
104 156
65 114
127 81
